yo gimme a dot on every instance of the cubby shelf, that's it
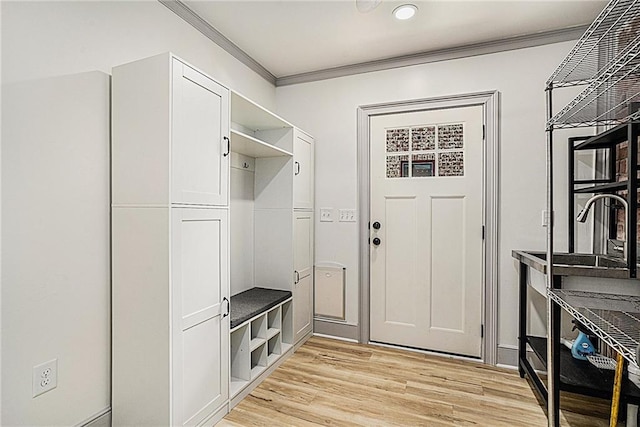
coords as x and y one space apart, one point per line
255 343
261 334
236 385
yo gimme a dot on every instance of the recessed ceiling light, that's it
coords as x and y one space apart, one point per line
406 11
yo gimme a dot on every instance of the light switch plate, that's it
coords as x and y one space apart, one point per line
326 214
347 215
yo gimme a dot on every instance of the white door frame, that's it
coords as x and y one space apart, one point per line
490 101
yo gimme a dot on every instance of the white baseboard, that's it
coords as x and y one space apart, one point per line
336 329
100 419
508 355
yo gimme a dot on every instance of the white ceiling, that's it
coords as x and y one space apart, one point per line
292 37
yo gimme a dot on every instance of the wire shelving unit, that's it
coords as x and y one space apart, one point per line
606 61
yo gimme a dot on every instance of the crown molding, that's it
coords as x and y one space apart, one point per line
495 46
192 18
465 51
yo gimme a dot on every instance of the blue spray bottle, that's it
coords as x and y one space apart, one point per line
582 346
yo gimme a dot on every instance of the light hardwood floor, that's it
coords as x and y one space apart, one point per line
330 382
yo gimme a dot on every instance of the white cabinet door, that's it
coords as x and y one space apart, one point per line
302 307
200 139
303 171
303 277
200 291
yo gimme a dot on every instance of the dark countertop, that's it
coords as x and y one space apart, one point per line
254 301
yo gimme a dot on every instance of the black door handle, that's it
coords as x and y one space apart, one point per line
228 146
297 168
297 279
376 241
376 225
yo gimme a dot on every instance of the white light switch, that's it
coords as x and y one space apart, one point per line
347 215
326 214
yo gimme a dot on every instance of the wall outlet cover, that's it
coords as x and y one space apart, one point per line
326 214
45 377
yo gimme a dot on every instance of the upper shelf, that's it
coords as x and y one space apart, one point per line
603 188
611 34
607 99
606 139
253 116
253 147
607 59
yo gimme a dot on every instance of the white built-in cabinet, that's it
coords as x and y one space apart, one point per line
303 274
170 261
303 174
211 195
270 157
303 235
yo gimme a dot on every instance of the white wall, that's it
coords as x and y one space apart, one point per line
56 278
49 38
55 241
241 211
327 109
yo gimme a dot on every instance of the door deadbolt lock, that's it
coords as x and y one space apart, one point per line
376 241
376 225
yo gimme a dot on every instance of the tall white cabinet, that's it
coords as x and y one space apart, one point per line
303 274
170 239
212 195
303 202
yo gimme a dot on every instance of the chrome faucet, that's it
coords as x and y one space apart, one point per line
582 216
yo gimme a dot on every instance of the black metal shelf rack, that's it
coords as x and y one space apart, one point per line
608 140
606 61
574 376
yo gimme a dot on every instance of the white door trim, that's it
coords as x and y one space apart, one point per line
490 101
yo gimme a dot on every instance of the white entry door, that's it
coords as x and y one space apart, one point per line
426 230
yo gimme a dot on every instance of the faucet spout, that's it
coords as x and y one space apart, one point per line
582 216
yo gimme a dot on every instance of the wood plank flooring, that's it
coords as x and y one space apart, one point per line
335 383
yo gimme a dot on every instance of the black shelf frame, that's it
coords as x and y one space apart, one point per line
574 376
607 64
608 140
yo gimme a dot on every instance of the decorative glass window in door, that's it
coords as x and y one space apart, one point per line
425 151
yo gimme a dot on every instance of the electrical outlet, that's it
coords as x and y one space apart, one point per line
326 214
45 377
347 215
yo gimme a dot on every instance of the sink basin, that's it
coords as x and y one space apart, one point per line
574 264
